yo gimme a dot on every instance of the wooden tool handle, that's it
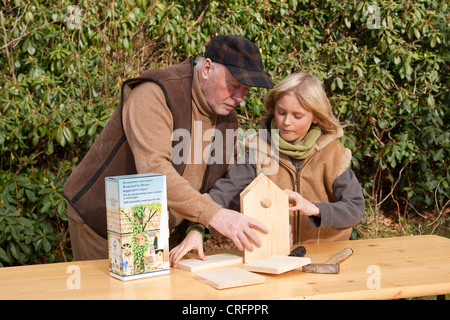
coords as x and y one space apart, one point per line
341 255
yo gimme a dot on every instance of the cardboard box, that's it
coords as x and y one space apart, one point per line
138 226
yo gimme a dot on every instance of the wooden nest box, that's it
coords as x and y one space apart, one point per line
266 202
140 239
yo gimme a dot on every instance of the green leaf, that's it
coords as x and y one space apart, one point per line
126 43
29 16
23 181
408 69
92 129
4 256
25 249
50 148
433 42
38 244
45 207
46 244
31 50
25 45
94 92
68 136
59 136
359 71
13 248
30 195
25 222
259 18
430 101
35 140
347 22
339 83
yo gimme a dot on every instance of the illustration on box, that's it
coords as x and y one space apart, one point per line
137 225
137 252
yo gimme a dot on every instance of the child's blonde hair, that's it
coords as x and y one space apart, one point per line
311 96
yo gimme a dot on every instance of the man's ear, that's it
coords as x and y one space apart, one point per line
207 68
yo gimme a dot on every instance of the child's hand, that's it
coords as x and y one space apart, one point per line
194 240
297 202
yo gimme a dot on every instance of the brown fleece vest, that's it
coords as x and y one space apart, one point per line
110 155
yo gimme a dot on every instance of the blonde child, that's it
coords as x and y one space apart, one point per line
312 166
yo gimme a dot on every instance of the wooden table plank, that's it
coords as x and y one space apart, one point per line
408 266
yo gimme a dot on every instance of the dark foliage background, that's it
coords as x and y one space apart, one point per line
384 65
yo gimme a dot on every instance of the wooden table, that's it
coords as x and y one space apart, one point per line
386 268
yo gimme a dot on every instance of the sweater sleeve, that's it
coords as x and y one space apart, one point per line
349 208
226 191
148 125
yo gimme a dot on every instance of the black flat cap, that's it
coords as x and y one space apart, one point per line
241 57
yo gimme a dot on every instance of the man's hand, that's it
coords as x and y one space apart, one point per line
238 227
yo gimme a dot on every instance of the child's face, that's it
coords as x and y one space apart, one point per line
291 119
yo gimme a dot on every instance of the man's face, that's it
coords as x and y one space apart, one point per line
221 90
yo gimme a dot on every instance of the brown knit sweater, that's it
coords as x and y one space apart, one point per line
148 125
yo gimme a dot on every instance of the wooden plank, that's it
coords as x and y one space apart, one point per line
229 278
251 185
213 261
277 264
266 202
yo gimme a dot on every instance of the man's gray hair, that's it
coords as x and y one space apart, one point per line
199 63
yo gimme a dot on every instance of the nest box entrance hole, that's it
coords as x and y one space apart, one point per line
265 203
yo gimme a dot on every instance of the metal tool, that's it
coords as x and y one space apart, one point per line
298 252
331 266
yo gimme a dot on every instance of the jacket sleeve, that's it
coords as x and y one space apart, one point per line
226 191
349 208
148 125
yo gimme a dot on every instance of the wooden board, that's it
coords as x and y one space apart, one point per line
266 202
277 264
229 278
213 261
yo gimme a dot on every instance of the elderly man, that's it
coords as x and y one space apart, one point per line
143 138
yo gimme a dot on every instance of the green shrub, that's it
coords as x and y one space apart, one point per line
384 65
